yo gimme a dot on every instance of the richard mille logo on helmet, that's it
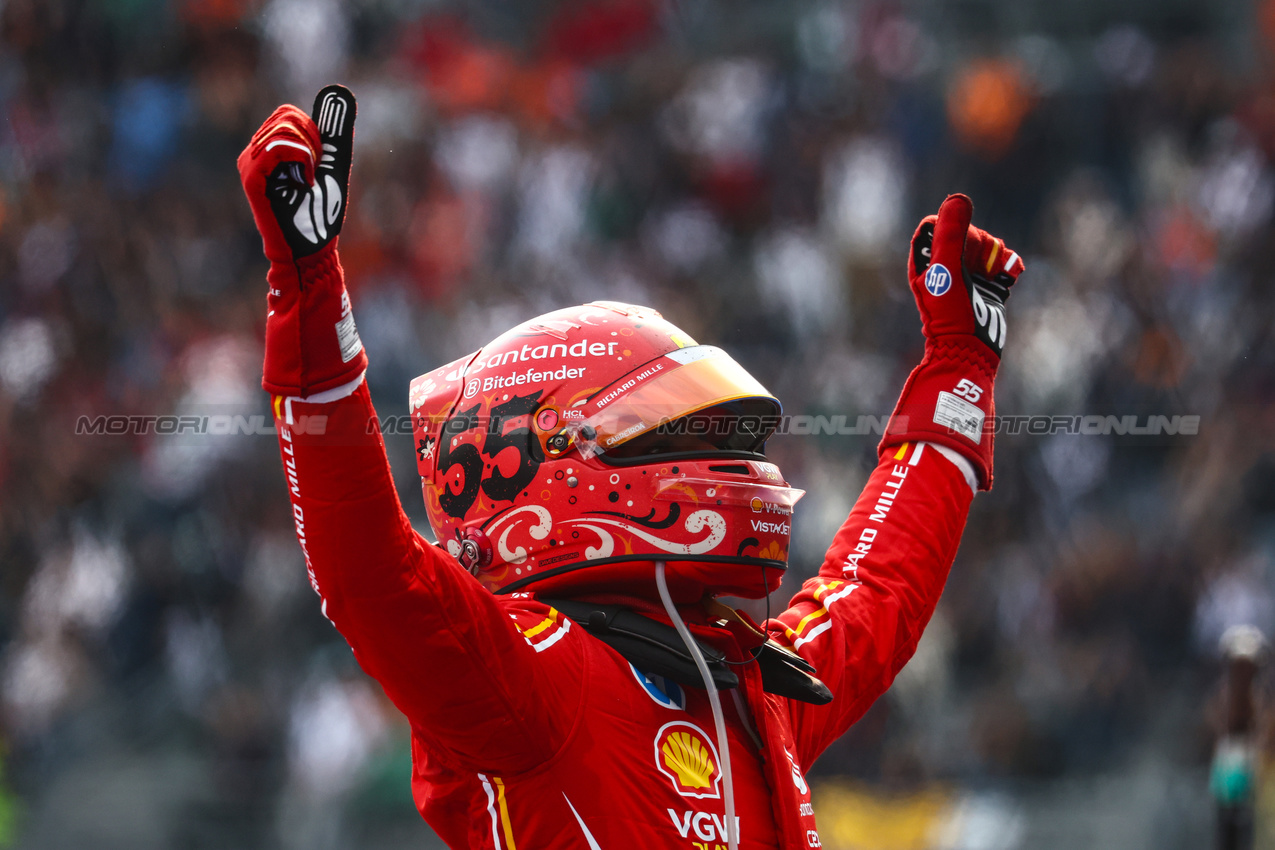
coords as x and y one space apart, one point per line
688 758
627 385
938 279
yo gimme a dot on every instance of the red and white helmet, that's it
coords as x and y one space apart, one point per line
578 448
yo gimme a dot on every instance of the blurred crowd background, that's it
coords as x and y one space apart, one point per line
752 169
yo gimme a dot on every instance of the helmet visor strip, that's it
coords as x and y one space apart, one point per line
661 398
761 497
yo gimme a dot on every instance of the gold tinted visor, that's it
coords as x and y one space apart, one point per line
659 401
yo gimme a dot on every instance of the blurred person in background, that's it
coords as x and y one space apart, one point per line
559 652
1240 722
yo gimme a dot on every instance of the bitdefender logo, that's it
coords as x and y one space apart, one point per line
688 758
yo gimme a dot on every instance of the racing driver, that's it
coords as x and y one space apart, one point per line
596 479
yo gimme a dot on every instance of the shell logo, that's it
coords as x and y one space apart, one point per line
687 756
756 505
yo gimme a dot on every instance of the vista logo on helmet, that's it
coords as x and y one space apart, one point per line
578 473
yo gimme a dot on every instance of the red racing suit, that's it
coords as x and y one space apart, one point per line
528 732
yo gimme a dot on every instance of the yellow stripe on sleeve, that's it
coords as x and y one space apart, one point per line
824 588
806 619
504 814
996 252
542 625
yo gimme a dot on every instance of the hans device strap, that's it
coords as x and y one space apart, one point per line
650 646
787 674
656 648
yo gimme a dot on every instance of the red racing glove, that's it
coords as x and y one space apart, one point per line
296 174
948 399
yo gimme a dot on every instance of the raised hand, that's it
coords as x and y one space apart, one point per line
946 244
961 277
296 174
309 204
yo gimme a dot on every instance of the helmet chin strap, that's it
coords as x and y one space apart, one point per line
719 721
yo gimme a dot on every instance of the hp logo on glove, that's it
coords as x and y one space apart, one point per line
938 279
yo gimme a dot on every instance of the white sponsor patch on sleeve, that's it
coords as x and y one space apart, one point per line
347 335
959 415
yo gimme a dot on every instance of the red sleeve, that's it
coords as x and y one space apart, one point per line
860 619
451 656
